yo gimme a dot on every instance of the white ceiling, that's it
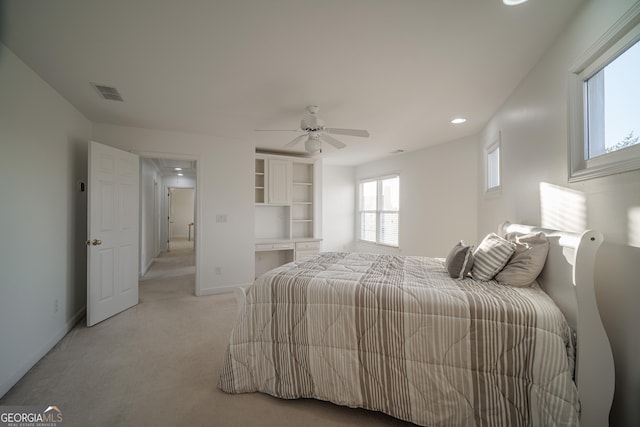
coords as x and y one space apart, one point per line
401 69
167 167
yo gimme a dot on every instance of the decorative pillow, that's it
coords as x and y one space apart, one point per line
527 261
459 261
492 254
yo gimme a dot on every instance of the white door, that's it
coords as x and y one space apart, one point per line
112 240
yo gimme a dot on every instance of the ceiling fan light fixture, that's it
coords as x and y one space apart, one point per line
312 145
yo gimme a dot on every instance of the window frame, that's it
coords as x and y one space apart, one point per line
496 145
378 211
620 37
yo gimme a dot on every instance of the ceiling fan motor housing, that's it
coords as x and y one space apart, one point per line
311 123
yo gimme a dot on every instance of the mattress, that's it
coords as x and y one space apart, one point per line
398 335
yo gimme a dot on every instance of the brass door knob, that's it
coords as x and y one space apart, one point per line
96 242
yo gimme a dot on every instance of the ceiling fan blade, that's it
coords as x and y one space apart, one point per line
296 140
350 132
331 140
277 130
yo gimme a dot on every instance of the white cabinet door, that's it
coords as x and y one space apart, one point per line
280 172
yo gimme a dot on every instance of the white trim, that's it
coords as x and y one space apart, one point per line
497 144
31 361
222 289
378 210
378 246
199 218
147 267
622 34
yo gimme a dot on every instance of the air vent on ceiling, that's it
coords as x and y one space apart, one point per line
108 92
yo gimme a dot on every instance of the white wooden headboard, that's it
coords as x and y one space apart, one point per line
568 278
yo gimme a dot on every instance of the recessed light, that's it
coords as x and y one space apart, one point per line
180 174
177 169
458 120
513 2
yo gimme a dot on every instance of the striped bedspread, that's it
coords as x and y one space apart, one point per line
397 335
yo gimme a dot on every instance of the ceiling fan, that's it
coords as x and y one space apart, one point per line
315 132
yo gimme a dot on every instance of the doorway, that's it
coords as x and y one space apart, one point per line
168 216
181 218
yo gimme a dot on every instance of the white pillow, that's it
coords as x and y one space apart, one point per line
492 254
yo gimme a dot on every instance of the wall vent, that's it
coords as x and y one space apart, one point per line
108 92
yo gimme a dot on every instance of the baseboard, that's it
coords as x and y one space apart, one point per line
221 289
34 358
147 267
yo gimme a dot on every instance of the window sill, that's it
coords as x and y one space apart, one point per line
493 192
625 160
378 246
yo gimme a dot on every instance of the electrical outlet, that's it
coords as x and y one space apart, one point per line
218 271
221 218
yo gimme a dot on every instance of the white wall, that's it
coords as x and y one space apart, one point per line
338 210
182 205
225 187
533 123
150 202
438 197
43 155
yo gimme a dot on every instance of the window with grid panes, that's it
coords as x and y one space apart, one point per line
380 210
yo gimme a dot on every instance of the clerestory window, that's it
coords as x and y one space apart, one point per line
605 104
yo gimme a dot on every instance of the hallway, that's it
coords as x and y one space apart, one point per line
172 273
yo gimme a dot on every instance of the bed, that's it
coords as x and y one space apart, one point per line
397 334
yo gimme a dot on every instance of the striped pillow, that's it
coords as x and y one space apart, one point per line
491 256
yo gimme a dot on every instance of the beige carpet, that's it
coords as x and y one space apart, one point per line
157 364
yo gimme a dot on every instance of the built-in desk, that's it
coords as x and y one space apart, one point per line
272 253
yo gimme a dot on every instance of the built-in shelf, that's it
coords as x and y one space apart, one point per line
260 181
285 200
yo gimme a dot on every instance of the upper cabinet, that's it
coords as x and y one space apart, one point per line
286 183
279 178
273 179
